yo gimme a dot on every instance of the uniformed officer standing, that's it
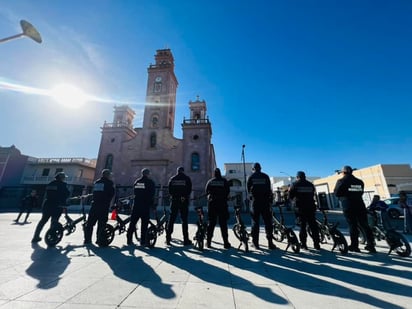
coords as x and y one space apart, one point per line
302 192
180 187
144 192
258 185
103 192
349 191
56 196
217 191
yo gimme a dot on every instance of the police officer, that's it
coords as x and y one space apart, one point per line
180 187
27 204
217 191
144 192
302 192
103 192
349 191
56 196
258 185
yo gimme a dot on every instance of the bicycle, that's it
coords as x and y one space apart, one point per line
280 231
382 230
201 229
239 229
119 225
55 233
154 230
328 231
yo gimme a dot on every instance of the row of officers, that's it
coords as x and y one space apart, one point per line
348 189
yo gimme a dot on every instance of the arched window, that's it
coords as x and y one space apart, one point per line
109 162
153 140
195 162
155 121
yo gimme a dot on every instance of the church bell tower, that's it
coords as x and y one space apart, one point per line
161 89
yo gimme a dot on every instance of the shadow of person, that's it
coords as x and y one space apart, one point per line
198 267
327 275
127 266
48 265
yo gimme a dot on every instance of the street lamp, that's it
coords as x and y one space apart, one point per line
290 177
28 31
244 175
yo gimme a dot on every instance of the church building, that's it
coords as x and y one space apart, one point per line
126 150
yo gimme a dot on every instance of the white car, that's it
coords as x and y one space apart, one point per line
394 209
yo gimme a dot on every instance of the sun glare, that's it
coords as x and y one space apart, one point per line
69 96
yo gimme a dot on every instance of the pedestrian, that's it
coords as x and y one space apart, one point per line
29 202
258 186
217 191
278 197
180 187
302 192
103 192
349 191
377 205
56 196
403 202
144 192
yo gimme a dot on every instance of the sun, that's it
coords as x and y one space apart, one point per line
69 95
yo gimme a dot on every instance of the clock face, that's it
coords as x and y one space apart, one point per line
158 79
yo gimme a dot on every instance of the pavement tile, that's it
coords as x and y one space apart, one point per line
75 276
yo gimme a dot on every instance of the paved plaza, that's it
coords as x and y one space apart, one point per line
74 276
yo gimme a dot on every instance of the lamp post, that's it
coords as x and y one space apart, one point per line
28 31
244 180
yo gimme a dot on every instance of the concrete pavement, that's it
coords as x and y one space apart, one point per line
74 276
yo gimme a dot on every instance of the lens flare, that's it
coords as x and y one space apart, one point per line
65 94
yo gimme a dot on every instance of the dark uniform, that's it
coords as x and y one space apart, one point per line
303 194
144 192
56 196
217 191
103 192
258 185
180 187
349 191
29 202
380 206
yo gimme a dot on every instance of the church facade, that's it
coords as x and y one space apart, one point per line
126 150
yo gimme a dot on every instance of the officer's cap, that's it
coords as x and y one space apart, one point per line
257 166
347 170
301 174
106 172
60 175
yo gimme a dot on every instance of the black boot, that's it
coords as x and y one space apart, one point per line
271 245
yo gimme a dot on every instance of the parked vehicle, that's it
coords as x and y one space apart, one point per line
394 209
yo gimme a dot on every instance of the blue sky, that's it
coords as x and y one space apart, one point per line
305 85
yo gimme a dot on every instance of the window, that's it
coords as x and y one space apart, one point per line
109 162
195 161
153 140
157 87
155 121
46 172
